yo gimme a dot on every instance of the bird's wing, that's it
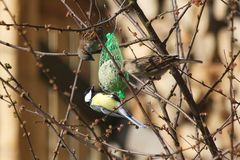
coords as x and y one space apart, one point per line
106 111
147 61
129 116
153 62
110 113
96 108
161 63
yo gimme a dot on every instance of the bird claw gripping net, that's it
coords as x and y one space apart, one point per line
108 74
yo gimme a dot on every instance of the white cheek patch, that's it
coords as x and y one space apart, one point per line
88 96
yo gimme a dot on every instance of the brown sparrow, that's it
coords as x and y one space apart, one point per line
153 66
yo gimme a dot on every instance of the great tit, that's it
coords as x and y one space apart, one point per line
109 104
153 66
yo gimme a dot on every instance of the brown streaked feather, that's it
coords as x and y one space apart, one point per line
153 66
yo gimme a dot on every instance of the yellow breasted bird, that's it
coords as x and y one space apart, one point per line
109 104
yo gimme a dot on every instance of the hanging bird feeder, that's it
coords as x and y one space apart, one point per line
108 75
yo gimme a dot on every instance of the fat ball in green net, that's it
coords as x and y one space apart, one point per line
109 79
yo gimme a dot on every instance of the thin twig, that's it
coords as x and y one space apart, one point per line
68 109
80 118
174 11
188 96
65 53
212 88
177 22
22 123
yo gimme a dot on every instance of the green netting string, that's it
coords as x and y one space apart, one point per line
109 79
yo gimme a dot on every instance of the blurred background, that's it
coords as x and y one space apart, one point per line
49 81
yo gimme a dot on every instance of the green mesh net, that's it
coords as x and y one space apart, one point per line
109 79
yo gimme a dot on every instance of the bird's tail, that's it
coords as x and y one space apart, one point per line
127 115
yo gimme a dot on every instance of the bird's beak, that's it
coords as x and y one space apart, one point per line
90 58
